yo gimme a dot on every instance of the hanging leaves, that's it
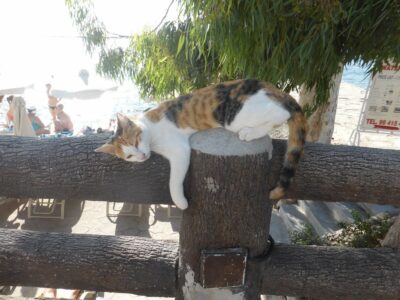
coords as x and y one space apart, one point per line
180 44
287 42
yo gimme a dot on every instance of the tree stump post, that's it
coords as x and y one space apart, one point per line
226 226
392 238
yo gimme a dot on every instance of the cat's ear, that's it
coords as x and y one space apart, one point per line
106 148
123 121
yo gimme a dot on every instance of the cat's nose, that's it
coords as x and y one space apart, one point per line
143 157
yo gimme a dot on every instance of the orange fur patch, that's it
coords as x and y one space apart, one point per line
156 114
198 111
298 125
277 193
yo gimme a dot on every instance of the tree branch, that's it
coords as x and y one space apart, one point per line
163 18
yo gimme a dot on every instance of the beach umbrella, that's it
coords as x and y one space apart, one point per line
83 94
14 90
68 86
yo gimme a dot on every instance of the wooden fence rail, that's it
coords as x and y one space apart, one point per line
223 236
148 267
93 262
69 169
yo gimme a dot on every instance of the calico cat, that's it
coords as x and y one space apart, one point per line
250 108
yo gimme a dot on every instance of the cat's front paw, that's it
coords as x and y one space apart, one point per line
181 203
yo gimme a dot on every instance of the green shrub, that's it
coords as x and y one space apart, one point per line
305 236
363 233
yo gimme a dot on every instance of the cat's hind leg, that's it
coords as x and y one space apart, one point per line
251 133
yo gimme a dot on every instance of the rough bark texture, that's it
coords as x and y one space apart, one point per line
321 123
69 169
147 267
228 208
343 173
392 238
333 273
92 262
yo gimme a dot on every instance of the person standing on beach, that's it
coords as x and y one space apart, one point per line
53 101
62 122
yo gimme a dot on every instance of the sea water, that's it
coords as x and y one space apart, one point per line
356 75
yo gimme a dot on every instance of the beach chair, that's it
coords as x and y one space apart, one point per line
46 209
37 208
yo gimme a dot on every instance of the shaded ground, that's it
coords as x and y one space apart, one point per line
90 217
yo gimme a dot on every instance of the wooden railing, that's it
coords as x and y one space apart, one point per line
228 209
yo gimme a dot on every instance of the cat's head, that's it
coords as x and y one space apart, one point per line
130 142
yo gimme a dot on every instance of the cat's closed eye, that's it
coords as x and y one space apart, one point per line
129 156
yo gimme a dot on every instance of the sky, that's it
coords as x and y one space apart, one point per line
39 44
39 39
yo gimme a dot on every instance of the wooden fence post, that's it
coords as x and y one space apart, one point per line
227 223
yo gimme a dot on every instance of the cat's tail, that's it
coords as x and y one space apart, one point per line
297 135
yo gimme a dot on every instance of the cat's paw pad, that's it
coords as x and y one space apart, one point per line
247 134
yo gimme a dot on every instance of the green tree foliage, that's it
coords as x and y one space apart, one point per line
287 42
306 236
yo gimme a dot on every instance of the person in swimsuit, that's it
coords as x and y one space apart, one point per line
62 123
37 124
53 101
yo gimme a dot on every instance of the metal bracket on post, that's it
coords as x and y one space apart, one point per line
264 256
223 267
